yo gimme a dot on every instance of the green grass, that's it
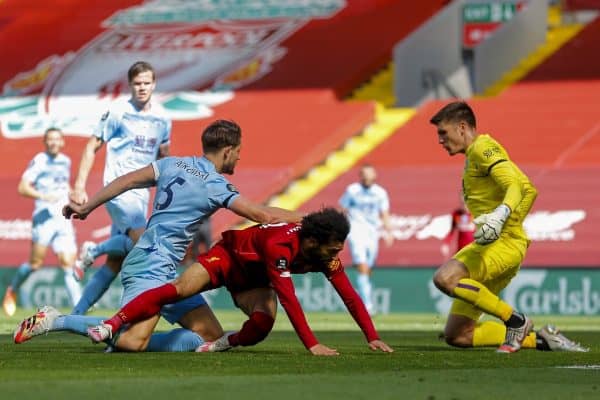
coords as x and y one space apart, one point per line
64 366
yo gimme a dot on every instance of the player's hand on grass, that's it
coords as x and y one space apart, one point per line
75 210
322 350
78 196
490 225
380 345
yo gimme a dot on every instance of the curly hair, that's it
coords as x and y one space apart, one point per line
325 225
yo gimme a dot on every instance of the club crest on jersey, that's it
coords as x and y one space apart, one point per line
232 188
281 264
334 265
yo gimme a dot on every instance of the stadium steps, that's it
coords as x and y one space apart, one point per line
386 122
558 34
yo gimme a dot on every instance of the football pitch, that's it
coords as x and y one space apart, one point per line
65 366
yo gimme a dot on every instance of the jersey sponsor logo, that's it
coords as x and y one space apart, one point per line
104 116
281 264
492 151
232 188
286 274
212 259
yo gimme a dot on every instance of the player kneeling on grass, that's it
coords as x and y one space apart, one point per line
251 263
500 196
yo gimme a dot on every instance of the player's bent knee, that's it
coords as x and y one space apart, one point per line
459 340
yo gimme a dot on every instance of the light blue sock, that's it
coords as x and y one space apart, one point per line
94 289
365 290
75 323
118 245
179 339
22 273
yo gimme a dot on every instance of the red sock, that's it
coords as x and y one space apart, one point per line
144 306
254 330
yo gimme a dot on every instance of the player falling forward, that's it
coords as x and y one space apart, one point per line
251 263
499 195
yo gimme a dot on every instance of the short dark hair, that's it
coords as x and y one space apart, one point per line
52 129
137 68
221 133
325 225
455 112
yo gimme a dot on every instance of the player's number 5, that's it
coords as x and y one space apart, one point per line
167 190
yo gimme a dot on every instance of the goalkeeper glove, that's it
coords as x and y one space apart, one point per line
490 225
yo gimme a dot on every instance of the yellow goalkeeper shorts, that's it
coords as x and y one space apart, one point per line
493 265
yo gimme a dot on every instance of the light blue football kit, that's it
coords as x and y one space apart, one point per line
133 139
364 206
188 191
50 176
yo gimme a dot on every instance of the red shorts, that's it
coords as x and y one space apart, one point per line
225 270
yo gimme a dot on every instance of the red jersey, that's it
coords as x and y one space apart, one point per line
265 255
462 223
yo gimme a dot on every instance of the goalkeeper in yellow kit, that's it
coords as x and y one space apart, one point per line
499 195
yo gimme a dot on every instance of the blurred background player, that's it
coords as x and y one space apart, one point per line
46 180
366 205
500 196
136 132
462 227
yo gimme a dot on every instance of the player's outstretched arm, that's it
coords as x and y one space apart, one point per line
141 178
380 345
263 214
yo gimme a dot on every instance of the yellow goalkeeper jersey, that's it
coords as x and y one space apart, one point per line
490 178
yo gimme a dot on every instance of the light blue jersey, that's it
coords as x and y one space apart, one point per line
133 139
364 207
188 191
50 176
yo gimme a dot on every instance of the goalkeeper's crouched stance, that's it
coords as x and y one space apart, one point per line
500 196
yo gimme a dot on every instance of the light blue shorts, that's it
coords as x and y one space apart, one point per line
363 247
52 230
144 270
127 211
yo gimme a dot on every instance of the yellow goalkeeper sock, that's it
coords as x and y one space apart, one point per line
492 333
477 294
